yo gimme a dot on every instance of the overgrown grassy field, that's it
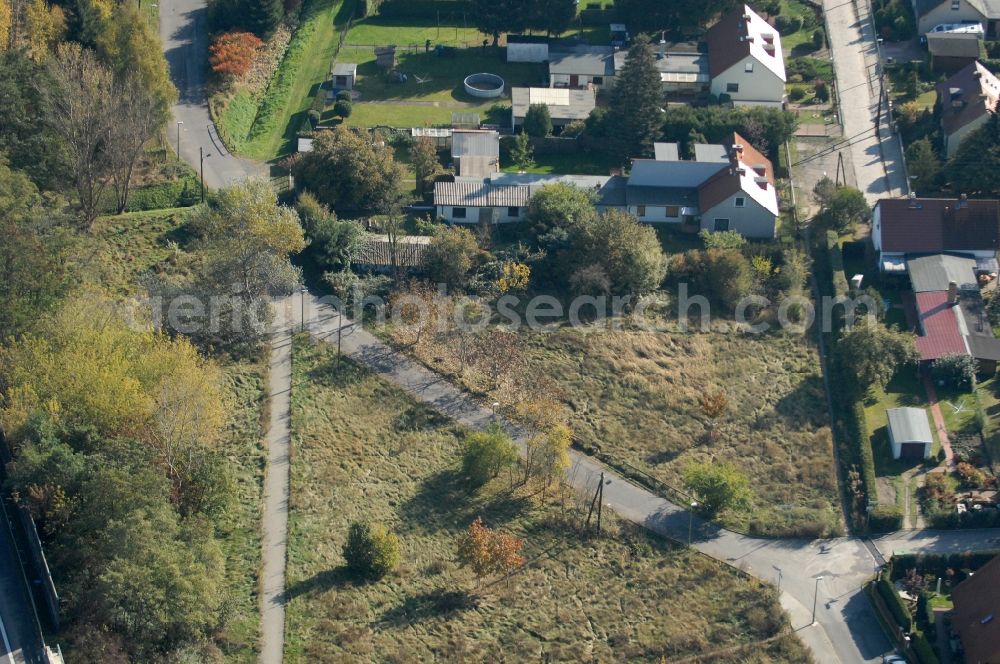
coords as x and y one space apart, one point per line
363 450
114 258
632 398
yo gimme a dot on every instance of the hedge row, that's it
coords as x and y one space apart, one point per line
939 563
922 649
900 613
182 192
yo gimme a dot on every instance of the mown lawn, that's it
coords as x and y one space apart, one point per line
632 398
363 450
582 163
905 389
304 68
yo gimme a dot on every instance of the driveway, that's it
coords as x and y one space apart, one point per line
184 32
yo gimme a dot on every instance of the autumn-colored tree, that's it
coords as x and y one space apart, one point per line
231 53
487 551
548 455
424 156
497 354
44 26
5 25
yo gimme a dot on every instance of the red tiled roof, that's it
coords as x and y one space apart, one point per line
932 225
941 334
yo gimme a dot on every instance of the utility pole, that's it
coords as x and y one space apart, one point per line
302 306
201 160
179 123
691 520
594 501
841 168
600 503
815 595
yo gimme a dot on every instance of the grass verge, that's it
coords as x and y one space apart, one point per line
363 450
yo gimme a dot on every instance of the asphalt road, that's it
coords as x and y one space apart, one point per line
184 32
20 641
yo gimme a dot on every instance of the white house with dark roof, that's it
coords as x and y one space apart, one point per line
745 60
931 13
965 102
726 187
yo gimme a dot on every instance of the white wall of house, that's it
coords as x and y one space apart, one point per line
745 215
563 81
953 140
527 52
656 214
949 11
472 215
758 85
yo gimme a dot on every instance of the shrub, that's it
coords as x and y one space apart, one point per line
957 370
922 648
343 95
822 92
314 117
538 121
796 94
894 602
371 551
818 38
486 454
788 24
342 108
885 519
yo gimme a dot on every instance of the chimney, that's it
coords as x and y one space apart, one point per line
977 74
913 201
963 201
952 293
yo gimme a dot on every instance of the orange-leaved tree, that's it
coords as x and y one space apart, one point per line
231 54
489 551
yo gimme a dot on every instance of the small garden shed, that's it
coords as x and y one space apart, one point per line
343 75
910 433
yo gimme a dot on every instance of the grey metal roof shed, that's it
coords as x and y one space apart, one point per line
936 272
909 432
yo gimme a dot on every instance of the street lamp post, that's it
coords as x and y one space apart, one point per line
815 595
495 405
179 123
691 520
302 306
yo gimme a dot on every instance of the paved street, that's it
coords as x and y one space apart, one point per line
20 642
184 33
852 43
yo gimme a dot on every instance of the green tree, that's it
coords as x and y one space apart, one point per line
343 108
248 238
975 166
537 121
351 171
846 207
522 152
27 137
629 252
451 255
131 49
371 551
957 370
552 16
424 157
636 103
548 455
263 16
923 164
871 353
718 487
34 255
486 454
556 207
493 17
332 243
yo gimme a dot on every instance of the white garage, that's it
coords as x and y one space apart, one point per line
910 433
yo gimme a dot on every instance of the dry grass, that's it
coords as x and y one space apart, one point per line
363 450
633 398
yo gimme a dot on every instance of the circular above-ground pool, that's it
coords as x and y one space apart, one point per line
484 86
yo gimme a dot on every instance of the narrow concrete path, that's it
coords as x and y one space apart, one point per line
274 520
